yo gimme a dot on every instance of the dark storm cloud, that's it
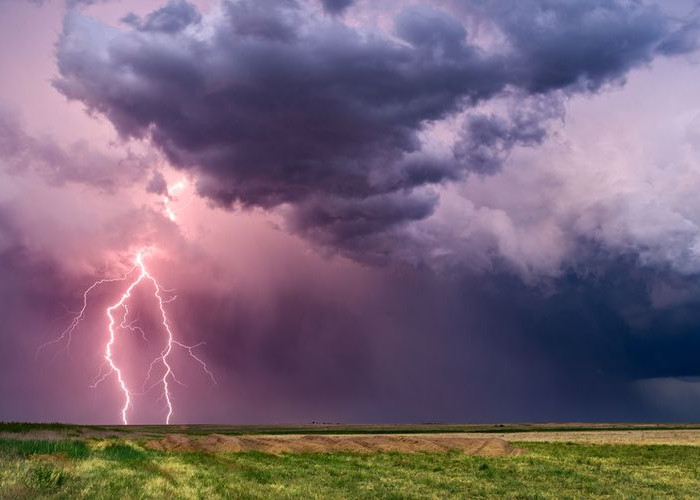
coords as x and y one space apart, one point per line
174 18
336 6
270 104
580 45
269 120
270 20
488 139
365 229
618 319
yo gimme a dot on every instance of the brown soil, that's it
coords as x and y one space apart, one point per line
315 443
465 441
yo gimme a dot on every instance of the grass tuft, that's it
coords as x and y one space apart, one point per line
24 427
122 451
24 448
45 478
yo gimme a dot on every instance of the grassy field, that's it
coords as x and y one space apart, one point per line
118 467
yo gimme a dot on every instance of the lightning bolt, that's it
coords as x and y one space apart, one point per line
172 195
138 275
67 334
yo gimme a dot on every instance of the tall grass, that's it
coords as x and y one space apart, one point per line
20 448
29 427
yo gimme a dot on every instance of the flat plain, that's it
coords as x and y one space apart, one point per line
350 461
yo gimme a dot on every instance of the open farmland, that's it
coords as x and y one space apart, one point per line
544 461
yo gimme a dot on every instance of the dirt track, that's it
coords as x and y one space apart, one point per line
315 443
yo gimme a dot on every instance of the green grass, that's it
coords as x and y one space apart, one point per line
10 448
23 427
109 468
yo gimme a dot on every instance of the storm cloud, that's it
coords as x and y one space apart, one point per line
488 139
520 176
336 6
272 103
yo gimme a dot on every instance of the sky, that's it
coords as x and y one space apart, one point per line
363 210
